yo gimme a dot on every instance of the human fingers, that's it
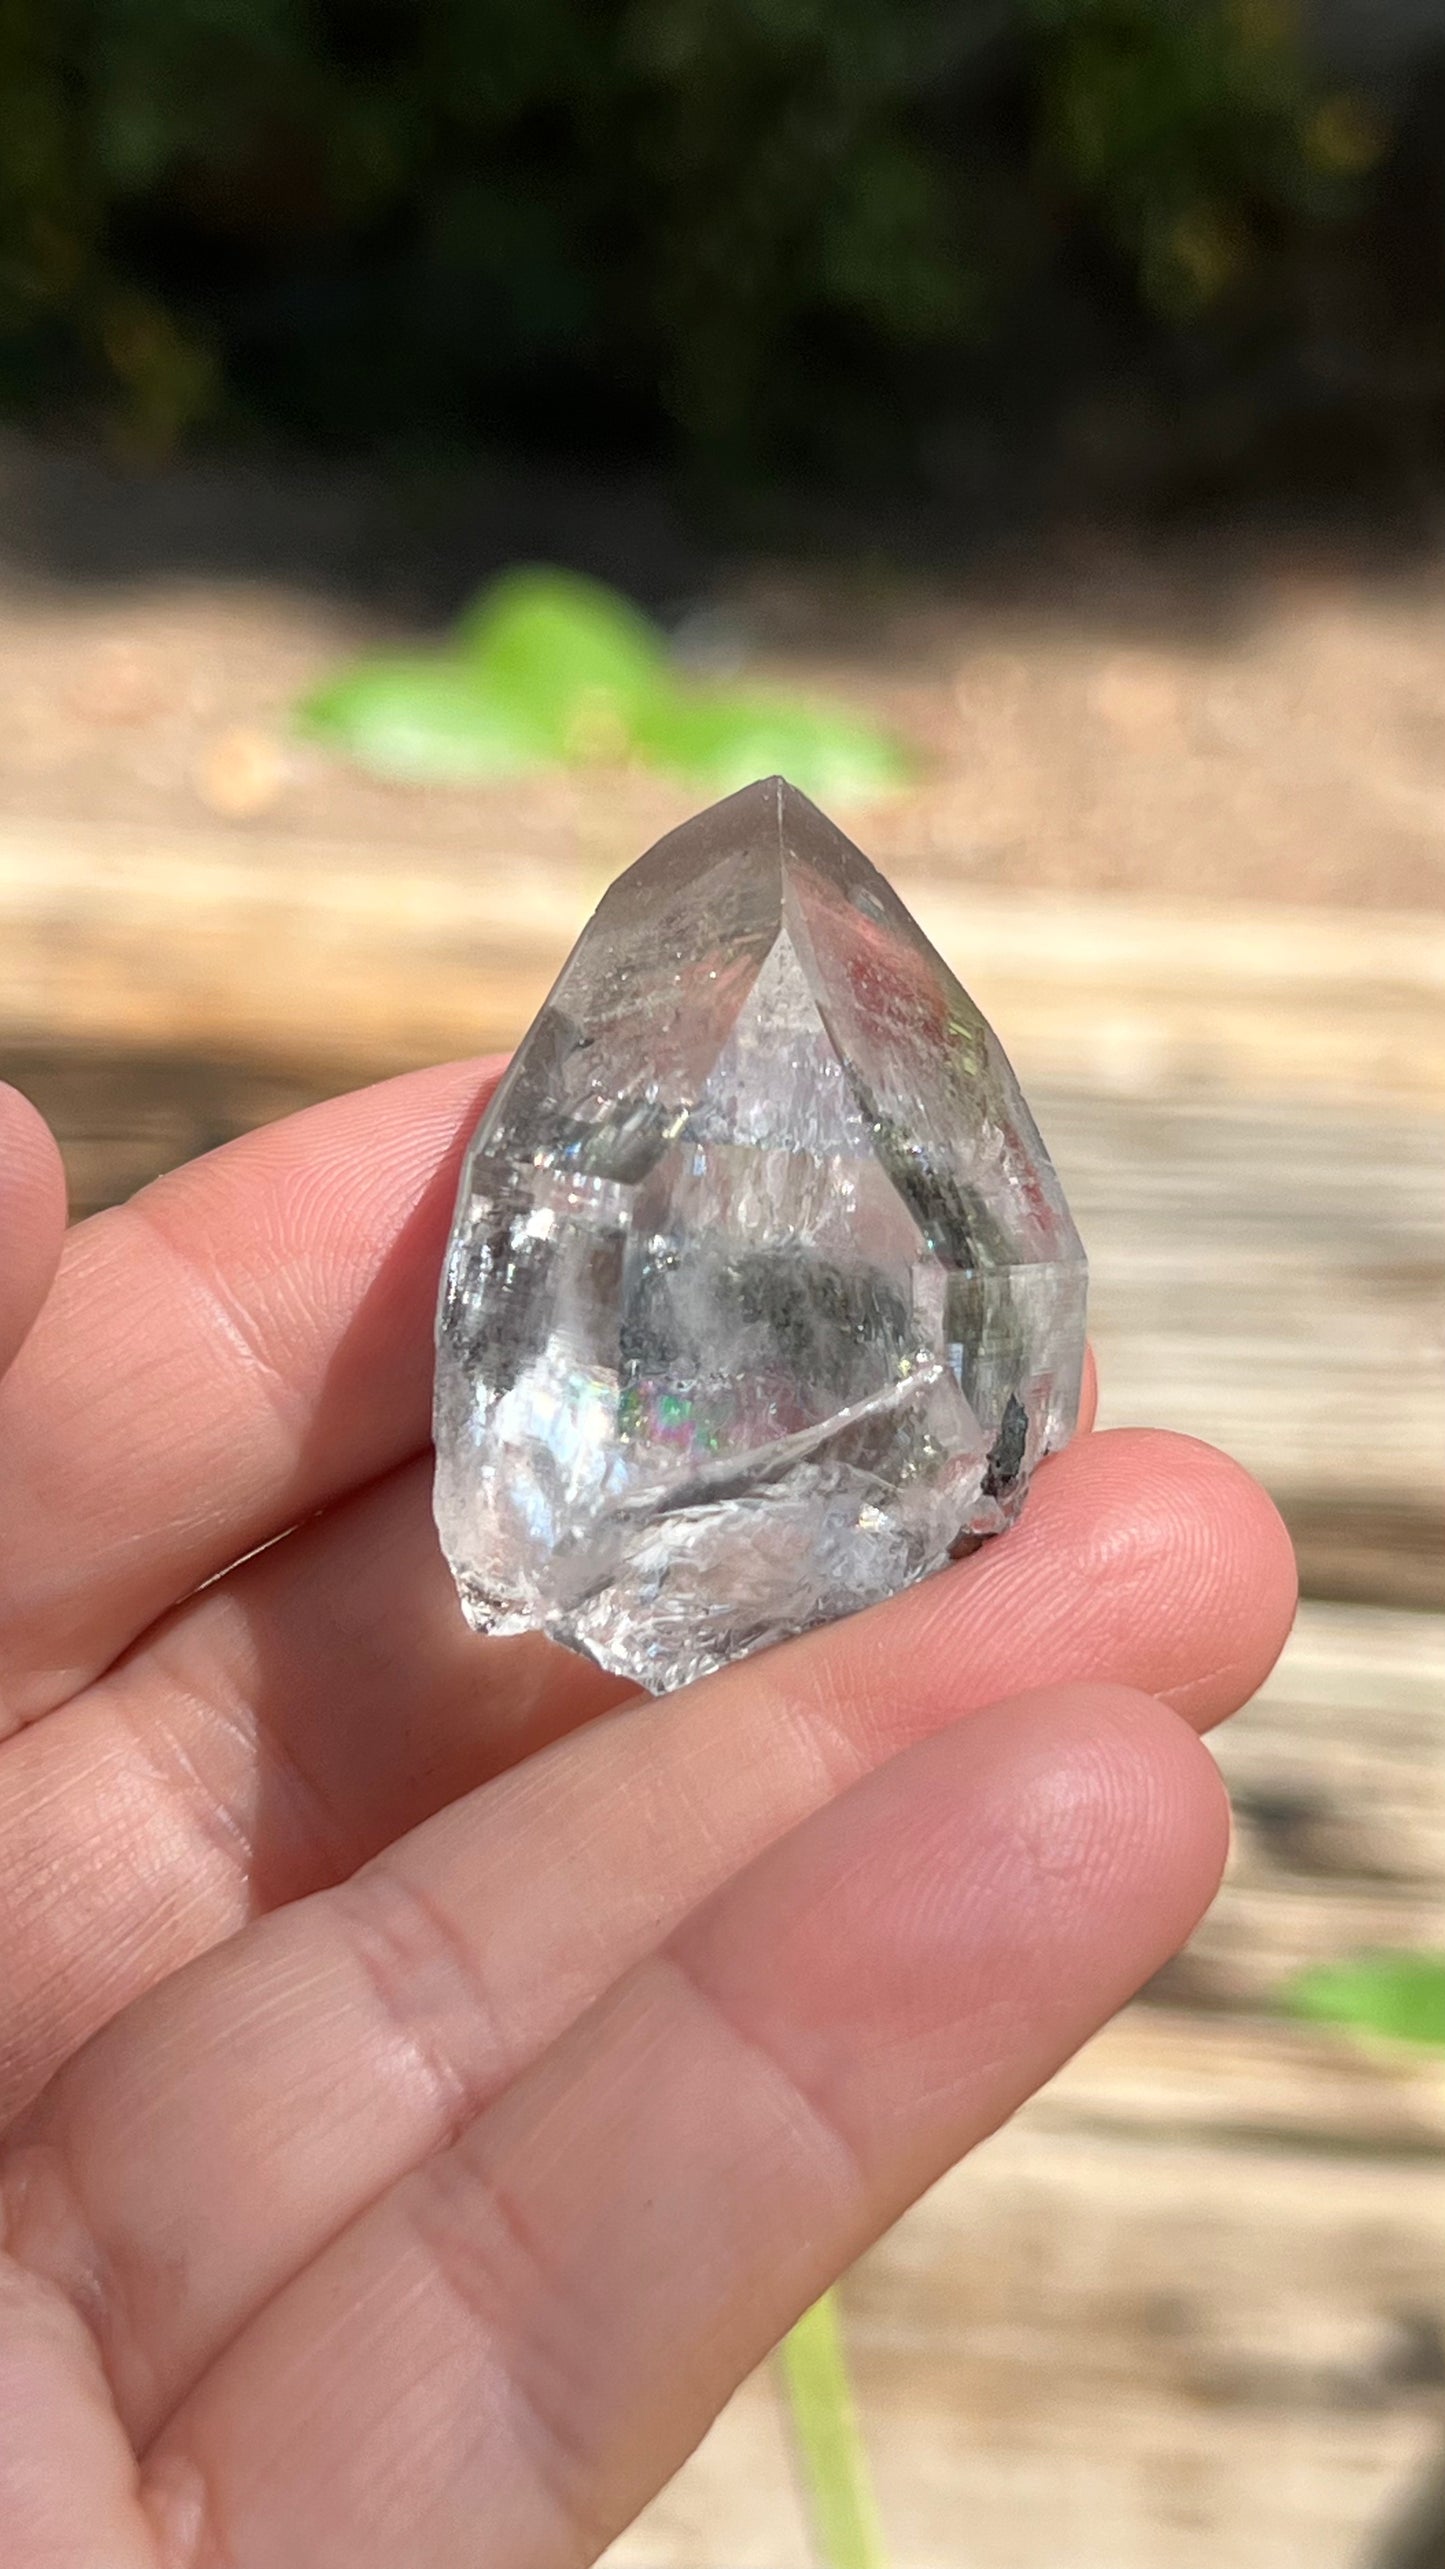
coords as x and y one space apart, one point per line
305 2065
502 2358
238 1346
287 1722
269 1734
263 1740
32 1217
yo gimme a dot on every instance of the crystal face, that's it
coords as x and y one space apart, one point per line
762 1298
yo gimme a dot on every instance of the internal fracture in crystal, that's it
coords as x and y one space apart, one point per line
762 1298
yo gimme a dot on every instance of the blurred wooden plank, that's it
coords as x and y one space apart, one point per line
1190 2308
124 1117
1337 1769
1115 2352
736 2504
1267 1277
1129 2354
1270 1276
1338 1777
245 940
1256 2078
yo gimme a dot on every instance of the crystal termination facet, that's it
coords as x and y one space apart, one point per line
762 1298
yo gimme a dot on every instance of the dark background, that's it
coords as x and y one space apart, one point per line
892 252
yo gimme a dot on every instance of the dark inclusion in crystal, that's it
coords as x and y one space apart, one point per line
762 1297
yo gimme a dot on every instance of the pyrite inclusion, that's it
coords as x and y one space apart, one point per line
762 1296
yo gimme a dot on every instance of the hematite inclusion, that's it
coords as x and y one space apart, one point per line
762 1298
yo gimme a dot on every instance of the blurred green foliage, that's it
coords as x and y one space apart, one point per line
766 236
549 669
1399 1997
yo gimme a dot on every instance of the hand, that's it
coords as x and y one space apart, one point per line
459 2075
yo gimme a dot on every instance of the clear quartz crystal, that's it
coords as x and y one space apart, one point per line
762 1298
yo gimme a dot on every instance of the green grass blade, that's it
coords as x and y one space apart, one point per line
845 2526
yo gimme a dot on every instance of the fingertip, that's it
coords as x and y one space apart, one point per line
29 1152
1155 1798
1107 1793
966 1915
32 1215
1183 1568
1207 1530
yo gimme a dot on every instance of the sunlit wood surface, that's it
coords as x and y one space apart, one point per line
262 943
1189 2311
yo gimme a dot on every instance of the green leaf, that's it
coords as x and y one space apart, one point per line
576 661
550 669
721 740
830 2448
1399 1995
424 717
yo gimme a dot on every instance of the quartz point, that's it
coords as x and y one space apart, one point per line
762 1298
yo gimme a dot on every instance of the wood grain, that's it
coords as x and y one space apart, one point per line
1188 2311
1271 1276
1268 1277
1118 2353
248 941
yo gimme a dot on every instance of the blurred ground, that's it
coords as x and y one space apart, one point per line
1242 712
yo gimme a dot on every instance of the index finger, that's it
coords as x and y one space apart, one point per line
241 1344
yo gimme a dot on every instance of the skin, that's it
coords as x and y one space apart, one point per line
434 2077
